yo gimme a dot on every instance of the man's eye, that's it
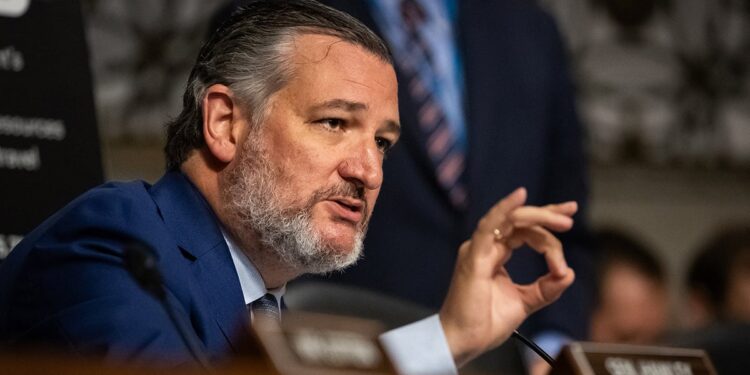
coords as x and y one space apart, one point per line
331 123
383 144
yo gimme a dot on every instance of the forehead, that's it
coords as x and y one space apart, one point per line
325 66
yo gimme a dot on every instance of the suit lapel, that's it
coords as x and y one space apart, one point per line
195 228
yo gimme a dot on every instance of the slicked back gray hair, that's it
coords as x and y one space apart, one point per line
250 54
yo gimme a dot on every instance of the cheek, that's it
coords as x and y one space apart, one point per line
298 156
292 163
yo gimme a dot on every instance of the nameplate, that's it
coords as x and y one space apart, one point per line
583 358
307 343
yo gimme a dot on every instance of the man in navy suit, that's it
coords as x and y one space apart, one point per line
520 129
275 164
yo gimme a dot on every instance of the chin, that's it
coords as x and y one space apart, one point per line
339 235
341 245
342 251
334 260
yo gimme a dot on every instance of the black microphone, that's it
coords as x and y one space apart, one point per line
141 262
533 346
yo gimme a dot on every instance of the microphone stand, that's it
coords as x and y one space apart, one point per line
141 262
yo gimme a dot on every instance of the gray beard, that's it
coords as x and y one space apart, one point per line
253 201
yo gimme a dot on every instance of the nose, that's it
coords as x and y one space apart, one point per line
364 167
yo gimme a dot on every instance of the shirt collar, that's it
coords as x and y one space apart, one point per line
251 282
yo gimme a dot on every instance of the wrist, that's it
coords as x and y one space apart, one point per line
460 347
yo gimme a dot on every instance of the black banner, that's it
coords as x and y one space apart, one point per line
49 146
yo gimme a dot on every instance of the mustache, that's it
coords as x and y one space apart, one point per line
346 189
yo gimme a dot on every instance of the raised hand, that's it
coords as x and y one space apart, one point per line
484 305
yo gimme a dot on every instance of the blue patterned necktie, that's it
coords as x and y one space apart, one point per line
266 308
443 149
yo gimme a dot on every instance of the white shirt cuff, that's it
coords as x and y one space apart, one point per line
419 348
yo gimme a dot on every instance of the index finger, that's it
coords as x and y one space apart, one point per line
529 216
496 218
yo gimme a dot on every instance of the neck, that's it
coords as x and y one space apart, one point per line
274 271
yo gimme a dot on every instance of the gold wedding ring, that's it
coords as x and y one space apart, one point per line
498 234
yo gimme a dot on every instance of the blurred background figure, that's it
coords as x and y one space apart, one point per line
718 300
631 305
718 280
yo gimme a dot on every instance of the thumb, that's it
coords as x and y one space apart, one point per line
545 290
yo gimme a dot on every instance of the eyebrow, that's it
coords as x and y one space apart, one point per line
346 105
350 106
393 126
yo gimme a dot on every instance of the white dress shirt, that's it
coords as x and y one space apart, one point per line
418 348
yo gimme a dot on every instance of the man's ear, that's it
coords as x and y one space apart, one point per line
222 122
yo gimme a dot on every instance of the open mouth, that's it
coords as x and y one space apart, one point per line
349 209
354 205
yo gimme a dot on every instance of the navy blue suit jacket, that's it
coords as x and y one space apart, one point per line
522 131
65 284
